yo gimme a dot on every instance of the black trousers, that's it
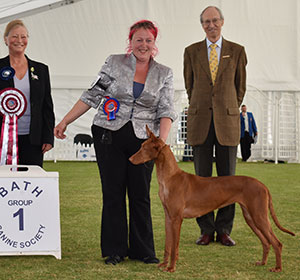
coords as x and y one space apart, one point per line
118 176
246 146
225 157
29 154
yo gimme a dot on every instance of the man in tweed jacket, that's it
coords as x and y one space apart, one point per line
213 122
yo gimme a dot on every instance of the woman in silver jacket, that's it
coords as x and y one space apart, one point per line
131 90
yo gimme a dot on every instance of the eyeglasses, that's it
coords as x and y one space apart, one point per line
214 21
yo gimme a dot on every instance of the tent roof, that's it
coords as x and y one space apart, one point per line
10 9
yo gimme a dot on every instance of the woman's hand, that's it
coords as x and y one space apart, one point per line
78 109
46 148
59 130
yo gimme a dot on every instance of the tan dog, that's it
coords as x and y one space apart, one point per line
185 195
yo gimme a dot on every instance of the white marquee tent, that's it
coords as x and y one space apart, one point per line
75 36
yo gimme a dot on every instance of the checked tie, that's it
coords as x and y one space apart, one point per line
213 62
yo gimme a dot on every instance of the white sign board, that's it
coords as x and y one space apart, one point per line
29 211
85 153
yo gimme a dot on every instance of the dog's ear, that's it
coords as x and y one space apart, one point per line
150 134
148 131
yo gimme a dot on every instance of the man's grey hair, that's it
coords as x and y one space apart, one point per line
220 12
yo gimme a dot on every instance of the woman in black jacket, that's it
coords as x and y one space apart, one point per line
35 126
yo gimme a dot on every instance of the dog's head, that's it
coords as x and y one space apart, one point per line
149 150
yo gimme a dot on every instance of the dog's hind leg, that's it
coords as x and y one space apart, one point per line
278 250
264 225
265 243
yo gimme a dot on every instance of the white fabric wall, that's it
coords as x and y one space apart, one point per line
74 41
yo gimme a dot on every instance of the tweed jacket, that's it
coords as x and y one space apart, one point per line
220 101
41 104
115 80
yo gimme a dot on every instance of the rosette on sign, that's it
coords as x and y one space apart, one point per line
110 108
12 106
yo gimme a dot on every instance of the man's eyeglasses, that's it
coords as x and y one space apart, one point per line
214 21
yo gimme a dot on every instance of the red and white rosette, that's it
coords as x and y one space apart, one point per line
12 106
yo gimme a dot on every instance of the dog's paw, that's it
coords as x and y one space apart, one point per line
163 265
259 263
170 269
275 269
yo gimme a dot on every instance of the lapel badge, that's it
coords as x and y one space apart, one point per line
7 73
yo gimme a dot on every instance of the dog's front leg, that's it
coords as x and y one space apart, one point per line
168 240
176 223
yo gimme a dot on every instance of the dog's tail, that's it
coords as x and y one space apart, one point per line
272 211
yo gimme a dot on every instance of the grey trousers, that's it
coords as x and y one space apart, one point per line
225 158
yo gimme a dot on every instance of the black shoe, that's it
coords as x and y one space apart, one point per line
149 260
114 259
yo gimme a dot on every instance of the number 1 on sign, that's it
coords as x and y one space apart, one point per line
20 213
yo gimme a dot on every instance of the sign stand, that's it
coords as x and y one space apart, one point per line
29 211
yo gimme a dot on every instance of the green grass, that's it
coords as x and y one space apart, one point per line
80 206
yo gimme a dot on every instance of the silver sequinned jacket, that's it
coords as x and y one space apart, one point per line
115 80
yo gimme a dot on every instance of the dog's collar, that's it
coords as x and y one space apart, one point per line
161 148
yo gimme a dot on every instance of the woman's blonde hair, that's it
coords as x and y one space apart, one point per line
13 24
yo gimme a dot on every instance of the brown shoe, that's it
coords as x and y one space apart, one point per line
204 239
225 240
